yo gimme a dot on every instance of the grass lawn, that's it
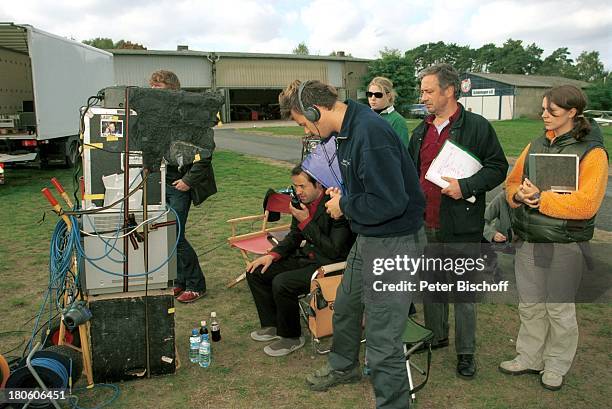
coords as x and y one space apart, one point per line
241 375
514 135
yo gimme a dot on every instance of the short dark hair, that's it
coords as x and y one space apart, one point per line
297 170
447 76
314 93
165 77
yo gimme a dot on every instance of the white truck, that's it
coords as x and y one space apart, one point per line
44 80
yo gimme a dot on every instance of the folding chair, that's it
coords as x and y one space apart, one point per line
262 240
416 337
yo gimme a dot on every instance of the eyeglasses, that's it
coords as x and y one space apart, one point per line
374 94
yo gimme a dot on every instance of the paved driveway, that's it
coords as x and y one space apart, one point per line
289 150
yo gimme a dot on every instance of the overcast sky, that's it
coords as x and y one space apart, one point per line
359 27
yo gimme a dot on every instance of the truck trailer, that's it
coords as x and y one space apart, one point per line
44 81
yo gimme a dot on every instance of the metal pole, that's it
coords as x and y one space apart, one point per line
126 189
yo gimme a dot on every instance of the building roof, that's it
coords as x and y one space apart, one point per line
122 51
535 81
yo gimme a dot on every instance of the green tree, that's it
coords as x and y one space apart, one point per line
600 94
558 63
107 44
485 57
589 67
513 58
301 49
400 70
428 54
99 42
129 45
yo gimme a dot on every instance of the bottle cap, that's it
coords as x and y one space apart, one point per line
195 331
203 323
213 315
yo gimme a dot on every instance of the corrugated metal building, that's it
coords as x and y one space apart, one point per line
508 96
251 82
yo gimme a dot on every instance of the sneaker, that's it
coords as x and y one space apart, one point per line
514 367
190 296
176 291
284 346
326 377
264 334
551 380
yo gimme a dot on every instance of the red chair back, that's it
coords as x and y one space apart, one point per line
278 202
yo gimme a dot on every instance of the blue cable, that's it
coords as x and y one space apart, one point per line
55 367
75 399
90 261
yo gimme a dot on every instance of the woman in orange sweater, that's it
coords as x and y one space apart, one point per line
553 230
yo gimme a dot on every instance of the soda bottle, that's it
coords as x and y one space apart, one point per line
203 328
194 345
215 329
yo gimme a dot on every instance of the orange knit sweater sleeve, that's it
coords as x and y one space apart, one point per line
579 205
585 202
515 178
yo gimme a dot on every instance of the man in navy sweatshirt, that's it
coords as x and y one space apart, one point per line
382 199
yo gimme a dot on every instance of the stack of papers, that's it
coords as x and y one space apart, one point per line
453 161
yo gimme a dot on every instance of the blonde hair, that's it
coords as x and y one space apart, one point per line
386 86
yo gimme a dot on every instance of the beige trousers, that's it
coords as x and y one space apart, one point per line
548 334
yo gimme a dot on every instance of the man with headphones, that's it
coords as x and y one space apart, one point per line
383 202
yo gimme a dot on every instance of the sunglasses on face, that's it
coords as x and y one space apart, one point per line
374 94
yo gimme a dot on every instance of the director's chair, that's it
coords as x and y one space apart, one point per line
262 240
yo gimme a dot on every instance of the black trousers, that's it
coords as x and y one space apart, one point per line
276 293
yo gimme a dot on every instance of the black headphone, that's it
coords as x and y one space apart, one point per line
311 113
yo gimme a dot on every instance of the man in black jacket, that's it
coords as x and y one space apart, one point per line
383 202
279 277
192 182
453 225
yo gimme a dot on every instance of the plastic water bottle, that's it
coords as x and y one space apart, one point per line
205 352
215 329
194 345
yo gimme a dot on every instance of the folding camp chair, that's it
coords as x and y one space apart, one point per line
416 338
262 240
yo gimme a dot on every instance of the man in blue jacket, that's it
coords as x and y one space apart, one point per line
382 200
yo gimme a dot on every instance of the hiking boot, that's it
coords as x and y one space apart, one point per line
515 367
326 377
284 346
551 380
264 334
466 366
190 296
176 291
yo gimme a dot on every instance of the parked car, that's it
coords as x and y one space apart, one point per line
417 111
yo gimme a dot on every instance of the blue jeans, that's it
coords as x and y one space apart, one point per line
189 274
